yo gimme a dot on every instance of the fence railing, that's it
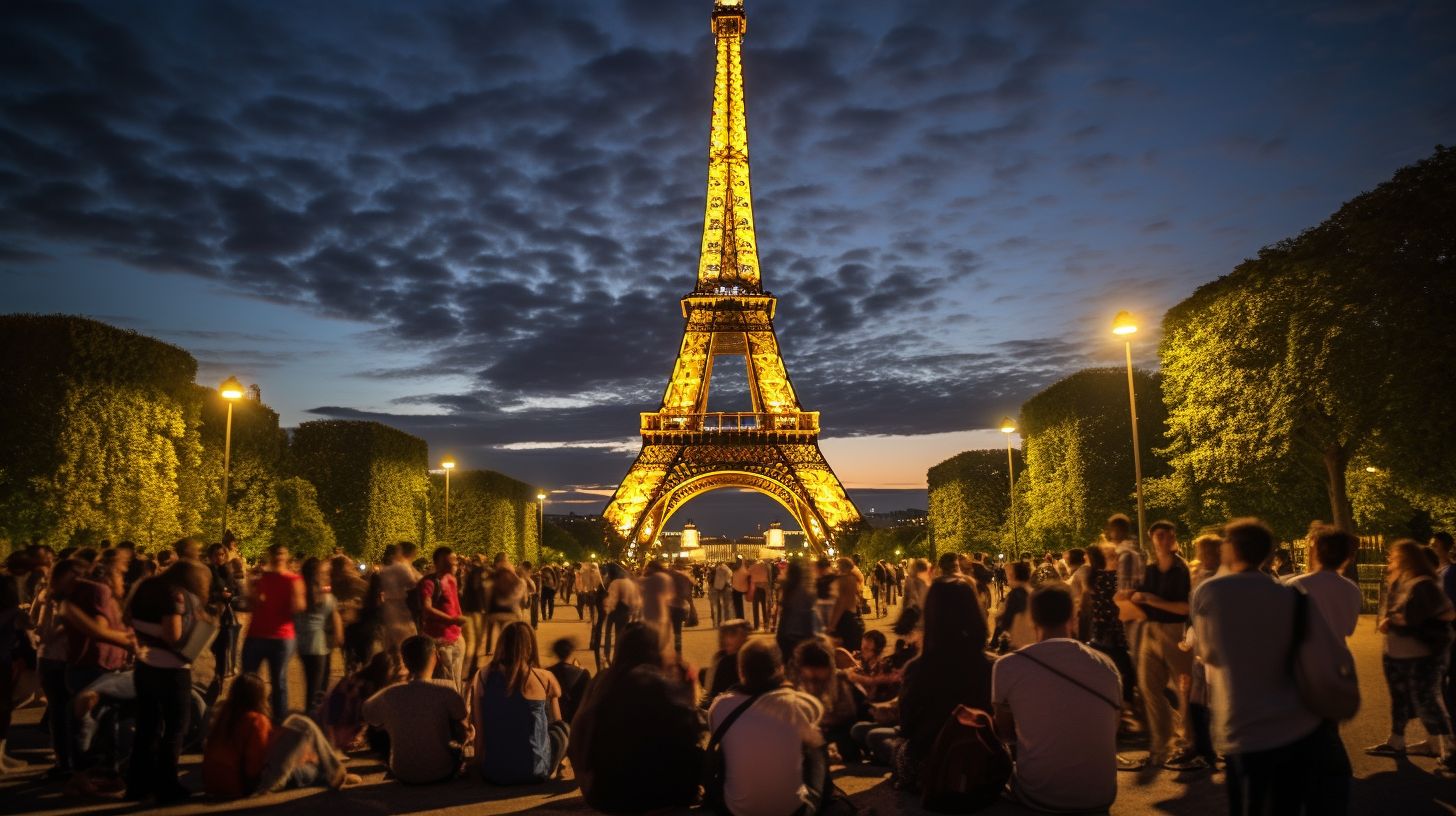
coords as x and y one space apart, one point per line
1368 569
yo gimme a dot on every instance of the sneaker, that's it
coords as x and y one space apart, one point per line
1126 763
1187 762
1424 748
1385 749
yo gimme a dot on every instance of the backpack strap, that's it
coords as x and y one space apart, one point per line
730 719
1069 678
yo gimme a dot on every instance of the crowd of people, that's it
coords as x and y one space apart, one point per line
442 675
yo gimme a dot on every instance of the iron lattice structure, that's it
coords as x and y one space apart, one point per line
686 449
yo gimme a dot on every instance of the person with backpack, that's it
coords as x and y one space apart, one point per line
1282 757
766 740
1066 753
440 618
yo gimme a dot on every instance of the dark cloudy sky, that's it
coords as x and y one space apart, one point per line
473 220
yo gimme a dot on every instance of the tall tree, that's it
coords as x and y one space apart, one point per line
1327 347
969 499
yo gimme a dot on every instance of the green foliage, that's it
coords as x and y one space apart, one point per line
874 543
489 513
1323 350
560 541
259 447
372 480
300 525
1077 435
969 500
94 431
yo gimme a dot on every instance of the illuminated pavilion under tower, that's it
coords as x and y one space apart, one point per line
774 447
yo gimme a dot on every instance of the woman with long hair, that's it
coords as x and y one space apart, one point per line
519 735
798 619
636 739
952 670
1415 618
163 611
246 754
316 629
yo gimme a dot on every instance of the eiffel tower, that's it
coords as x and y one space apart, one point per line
772 449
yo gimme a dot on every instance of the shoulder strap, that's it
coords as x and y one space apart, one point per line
1069 678
730 719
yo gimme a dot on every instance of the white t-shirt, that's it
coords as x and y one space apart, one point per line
1066 737
1335 596
763 750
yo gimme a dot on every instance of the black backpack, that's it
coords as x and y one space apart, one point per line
415 601
967 767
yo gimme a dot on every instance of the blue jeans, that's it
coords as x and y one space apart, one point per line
277 651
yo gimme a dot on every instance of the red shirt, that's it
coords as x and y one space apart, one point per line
449 603
95 600
273 606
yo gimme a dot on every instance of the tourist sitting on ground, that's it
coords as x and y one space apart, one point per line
1013 621
724 673
773 760
636 739
425 718
1066 754
341 714
570 675
844 703
246 754
952 670
873 671
519 735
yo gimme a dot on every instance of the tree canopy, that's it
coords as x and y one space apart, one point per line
1325 349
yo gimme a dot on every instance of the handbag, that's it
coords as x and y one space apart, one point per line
1321 663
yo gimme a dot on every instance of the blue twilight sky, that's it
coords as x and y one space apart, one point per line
473 220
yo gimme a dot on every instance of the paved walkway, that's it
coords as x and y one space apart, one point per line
1382 786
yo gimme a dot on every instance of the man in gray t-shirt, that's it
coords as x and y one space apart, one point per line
425 718
1281 756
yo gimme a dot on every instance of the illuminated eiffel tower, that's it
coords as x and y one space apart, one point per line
772 449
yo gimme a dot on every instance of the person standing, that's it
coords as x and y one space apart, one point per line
846 625
720 588
316 628
1335 596
225 595
682 601
548 581
1445 548
533 590
440 617
51 658
1281 757
277 595
396 578
1415 618
98 644
741 585
621 606
589 593
163 611
758 577
798 618
1163 597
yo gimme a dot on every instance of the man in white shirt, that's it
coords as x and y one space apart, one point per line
396 579
1059 701
1282 758
1334 595
719 593
764 748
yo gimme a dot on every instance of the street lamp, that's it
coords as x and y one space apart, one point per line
448 463
1008 427
232 391
1124 326
541 508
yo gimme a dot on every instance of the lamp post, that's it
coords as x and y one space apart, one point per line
232 391
541 518
448 463
1124 326
1008 427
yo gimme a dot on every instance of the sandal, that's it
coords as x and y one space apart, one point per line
1385 749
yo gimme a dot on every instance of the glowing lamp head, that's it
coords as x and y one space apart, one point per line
1123 324
540 497
1371 469
231 389
1007 425
447 463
